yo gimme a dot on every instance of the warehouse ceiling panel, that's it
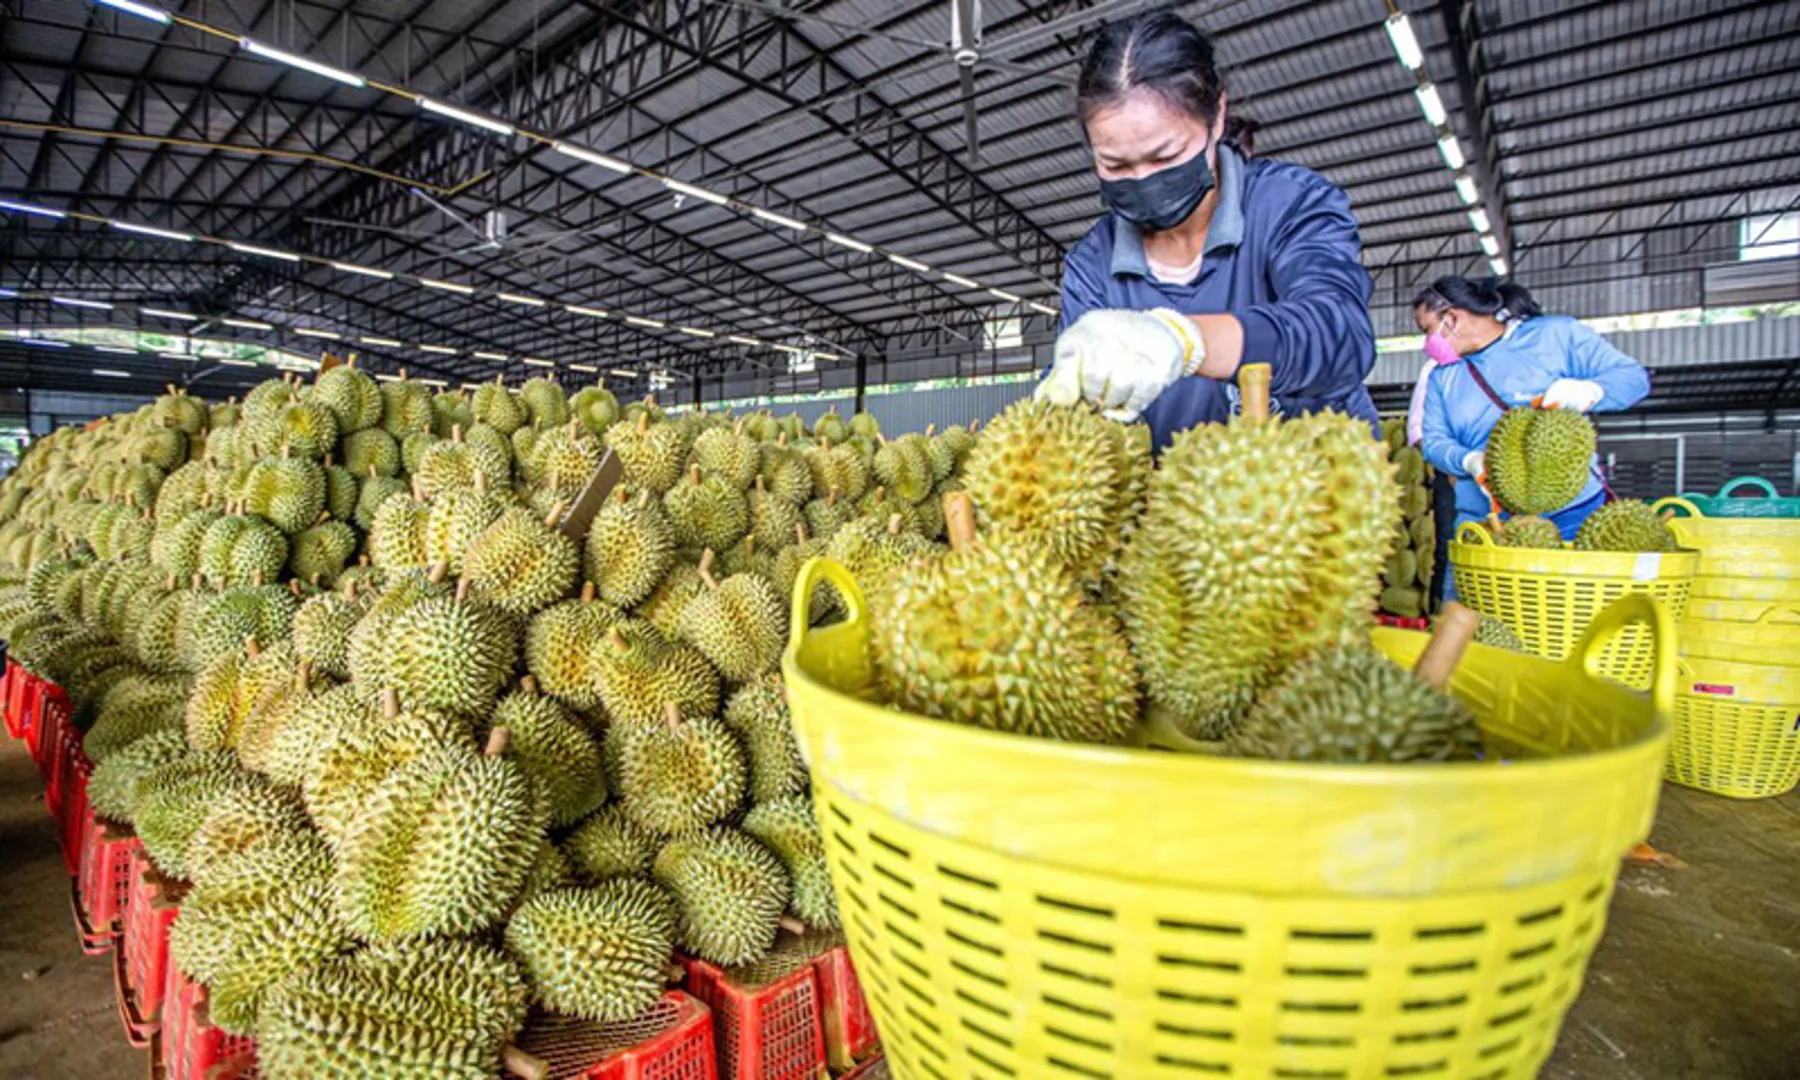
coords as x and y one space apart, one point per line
880 197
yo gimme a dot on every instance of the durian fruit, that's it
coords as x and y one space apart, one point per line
238 548
784 572
1350 704
136 708
452 653
838 467
595 408
319 554
435 1010
522 564
1538 459
301 429
111 784
758 713
609 844
872 548
831 426
397 534
370 639
651 453
772 519
170 802
448 465
826 514
995 635
1406 601
544 403
1060 478
638 673
357 753
1528 531
441 846
905 468
787 827
678 775
371 452
559 643
784 472
405 408
228 621
1492 631
739 624
555 751
864 425
630 546
341 491
495 406
729 454
284 729
706 511
372 492
454 519
563 459
730 890
1624 525
598 953
1361 503
355 400
240 821
322 626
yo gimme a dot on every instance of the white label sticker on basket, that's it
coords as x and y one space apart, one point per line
1647 567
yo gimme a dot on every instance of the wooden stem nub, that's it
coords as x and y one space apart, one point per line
1456 626
1253 386
959 519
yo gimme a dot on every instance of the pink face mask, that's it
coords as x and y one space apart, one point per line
1439 349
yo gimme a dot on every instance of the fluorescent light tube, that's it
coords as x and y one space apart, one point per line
1466 190
795 349
515 298
957 279
588 369
1432 104
533 361
161 314
697 192
432 382
582 153
654 324
70 301
383 377
441 350
116 350
142 11
486 123
236 363
1042 309
782 220
622 373
742 340
44 343
267 253
366 271
447 286
480 355
247 324
1489 246
577 309
1452 151
1406 46
307 331
145 230
112 374
174 356
27 208
1498 266
850 242
1004 295
251 45
1478 220
380 342
695 331
8 294
910 264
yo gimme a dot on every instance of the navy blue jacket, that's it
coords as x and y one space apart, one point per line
1282 255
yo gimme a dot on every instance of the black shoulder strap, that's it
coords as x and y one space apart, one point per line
1481 381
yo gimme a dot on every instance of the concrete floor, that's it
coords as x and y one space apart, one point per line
1698 977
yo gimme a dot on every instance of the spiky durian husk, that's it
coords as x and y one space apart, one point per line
555 751
839 467
1625 525
170 802
559 642
678 775
110 786
358 753
597 953
452 521
739 624
731 891
787 827
445 653
520 564
629 548
706 511
638 673
1529 531
758 713
1538 459
322 626
371 451
497 407
609 844
595 407
650 452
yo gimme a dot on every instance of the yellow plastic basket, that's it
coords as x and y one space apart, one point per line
1737 728
1550 595
1766 549
1771 637
1026 908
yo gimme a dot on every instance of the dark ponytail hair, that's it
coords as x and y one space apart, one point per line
1488 296
1157 51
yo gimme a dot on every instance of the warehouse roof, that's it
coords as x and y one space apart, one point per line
1617 148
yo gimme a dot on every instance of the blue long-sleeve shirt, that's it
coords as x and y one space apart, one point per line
1520 366
1281 254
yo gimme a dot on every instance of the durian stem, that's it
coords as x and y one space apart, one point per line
694 475
672 715
462 589
437 573
251 648
1494 524
894 522
496 742
588 592
481 481
256 579
390 703
643 422
673 972
350 590
616 638
529 684
303 676
456 434
800 531
1456 627
959 519
1253 387
555 514
706 565
792 925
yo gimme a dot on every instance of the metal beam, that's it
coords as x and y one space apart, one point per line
1461 23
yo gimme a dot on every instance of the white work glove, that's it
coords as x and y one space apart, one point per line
1475 464
1122 360
1577 394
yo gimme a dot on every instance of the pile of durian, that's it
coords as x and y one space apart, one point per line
422 760
1406 579
1538 461
1226 593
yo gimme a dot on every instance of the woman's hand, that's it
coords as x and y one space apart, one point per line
1580 395
1122 360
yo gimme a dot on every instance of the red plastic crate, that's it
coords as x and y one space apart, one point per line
1402 622
766 1023
848 1026
10 674
40 732
141 965
72 810
188 1046
66 761
672 1041
99 890
18 690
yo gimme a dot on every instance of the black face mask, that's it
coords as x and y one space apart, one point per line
1162 200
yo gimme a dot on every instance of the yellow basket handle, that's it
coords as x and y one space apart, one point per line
1679 503
820 569
1474 532
1767 618
1615 617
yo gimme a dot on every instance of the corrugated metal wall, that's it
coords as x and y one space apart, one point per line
906 412
1681 346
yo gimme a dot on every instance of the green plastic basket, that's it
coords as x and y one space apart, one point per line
1727 503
